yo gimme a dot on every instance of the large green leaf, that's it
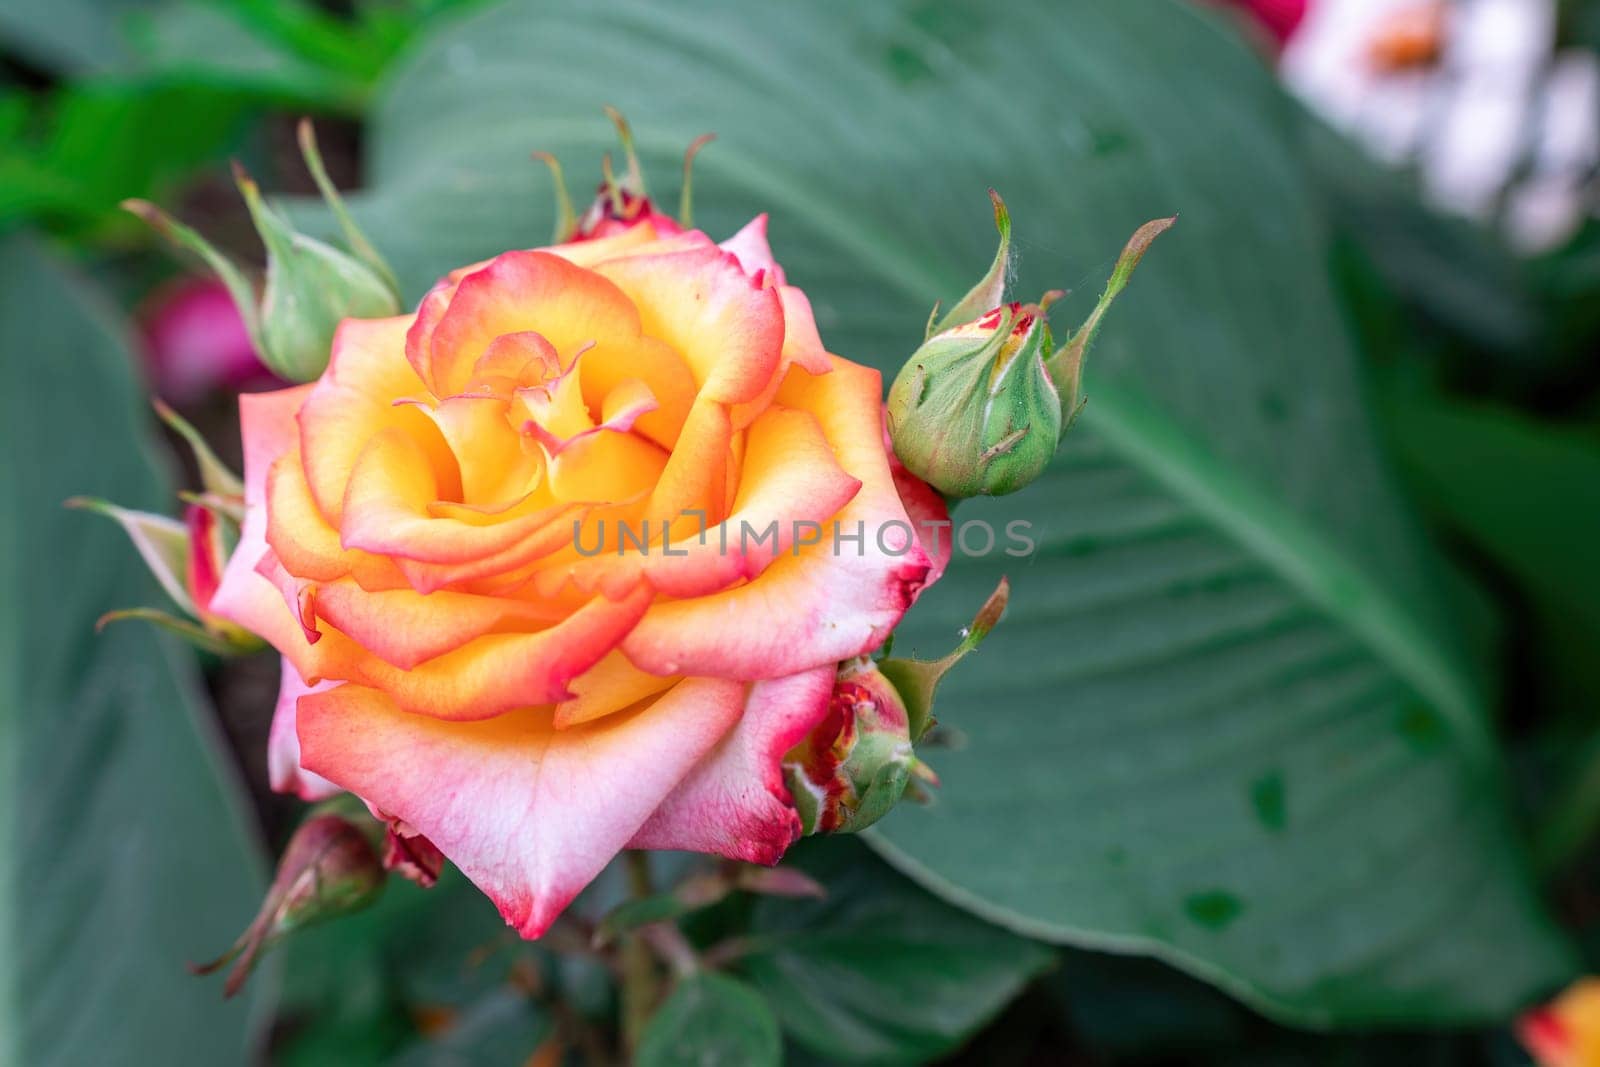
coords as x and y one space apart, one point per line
1525 497
1229 721
123 850
711 1020
878 971
72 36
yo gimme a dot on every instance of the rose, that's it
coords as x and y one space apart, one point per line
1565 1032
499 545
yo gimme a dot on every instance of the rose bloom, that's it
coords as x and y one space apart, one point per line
1565 1032
439 538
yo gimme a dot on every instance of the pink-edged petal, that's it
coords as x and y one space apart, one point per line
617 238
843 596
284 771
512 360
927 511
609 686
299 596
244 596
406 629
802 344
387 511
528 812
516 292
695 477
622 407
305 543
802 347
735 803
750 247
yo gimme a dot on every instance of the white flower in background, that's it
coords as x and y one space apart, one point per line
1499 126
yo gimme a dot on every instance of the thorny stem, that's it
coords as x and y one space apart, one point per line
641 983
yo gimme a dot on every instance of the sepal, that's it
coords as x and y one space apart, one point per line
310 286
329 869
855 765
187 559
990 291
917 681
1066 363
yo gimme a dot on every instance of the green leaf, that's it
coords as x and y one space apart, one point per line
879 971
1227 589
1523 492
72 36
711 1020
124 850
223 46
1525 497
99 142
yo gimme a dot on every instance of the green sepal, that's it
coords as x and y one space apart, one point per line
1066 364
566 225
360 247
990 291
686 196
162 542
310 288
917 681
633 181
192 632
219 481
232 278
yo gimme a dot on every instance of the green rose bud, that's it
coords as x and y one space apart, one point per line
856 764
979 409
310 286
187 557
974 412
329 868
859 761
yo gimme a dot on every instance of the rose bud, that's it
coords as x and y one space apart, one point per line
856 764
310 286
974 413
859 761
329 869
1565 1032
621 203
187 557
980 408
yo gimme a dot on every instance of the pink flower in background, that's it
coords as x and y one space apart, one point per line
195 342
1280 18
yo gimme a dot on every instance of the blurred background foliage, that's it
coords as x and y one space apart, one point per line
1299 697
